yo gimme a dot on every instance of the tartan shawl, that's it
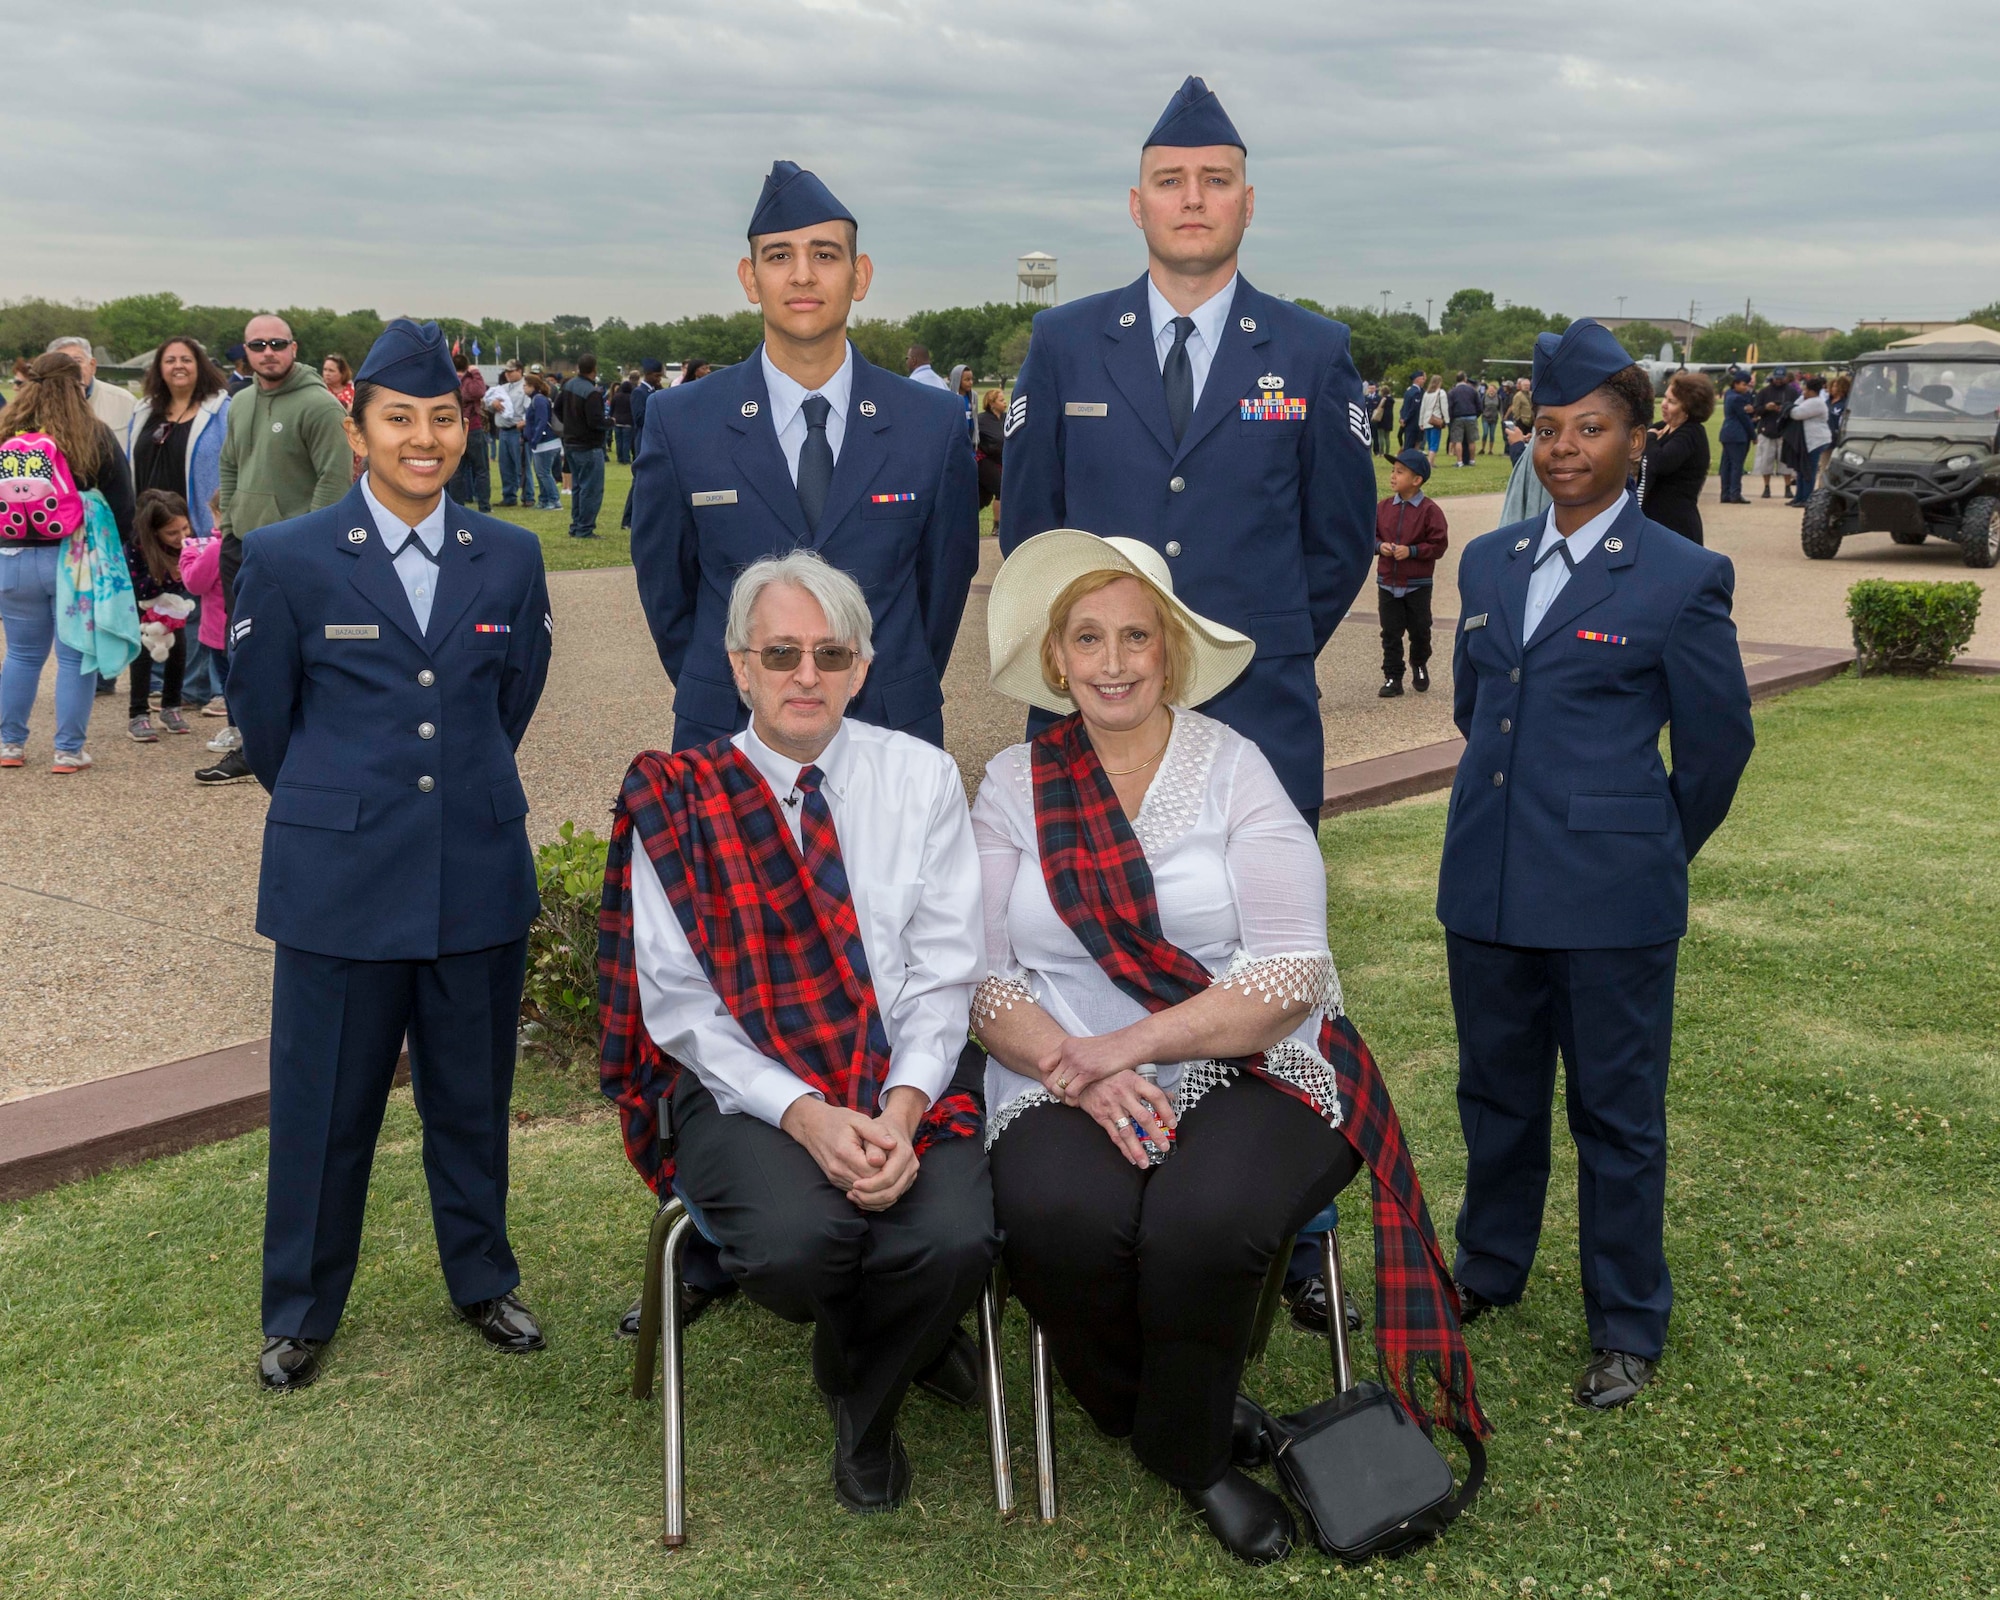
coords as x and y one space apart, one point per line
770 940
1102 887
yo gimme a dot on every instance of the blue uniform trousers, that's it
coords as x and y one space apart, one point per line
1733 456
1611 1015
337 1027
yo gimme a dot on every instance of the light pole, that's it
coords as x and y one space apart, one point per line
1621 308
1385 302
1427 314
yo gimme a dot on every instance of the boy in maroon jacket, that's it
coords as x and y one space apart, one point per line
1410 535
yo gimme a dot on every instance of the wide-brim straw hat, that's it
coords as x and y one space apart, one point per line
1017 615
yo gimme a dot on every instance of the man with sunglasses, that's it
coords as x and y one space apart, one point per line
806 445
794 937
284 453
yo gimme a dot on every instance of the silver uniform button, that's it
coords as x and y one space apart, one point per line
1506 724
427 677
426 783
427 730
1173 547
1499 778
1177 484
1514 675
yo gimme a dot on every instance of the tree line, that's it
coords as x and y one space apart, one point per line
990 338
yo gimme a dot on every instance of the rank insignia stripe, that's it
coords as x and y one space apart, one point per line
1603 638
1086 408
891 499
1017 414
353 630
713 497
492 627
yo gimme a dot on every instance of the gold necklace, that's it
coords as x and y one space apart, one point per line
1126 772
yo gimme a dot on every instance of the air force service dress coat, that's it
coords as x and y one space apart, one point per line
1566 829
712 493
1264 509
397 826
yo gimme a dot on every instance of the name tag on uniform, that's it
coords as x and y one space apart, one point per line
1086 408
1475 622
714 497
353 630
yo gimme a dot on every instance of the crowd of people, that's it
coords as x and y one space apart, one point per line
873 1037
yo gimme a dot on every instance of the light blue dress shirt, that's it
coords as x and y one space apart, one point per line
1552 576
1209 318
417 571
788 395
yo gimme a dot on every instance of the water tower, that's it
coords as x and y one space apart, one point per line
1035 278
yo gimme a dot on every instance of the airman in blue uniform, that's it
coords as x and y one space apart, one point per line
1564 883
805 444
389 652
1222 426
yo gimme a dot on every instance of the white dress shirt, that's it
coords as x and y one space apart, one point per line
1209 318
928 374
898 809
788 395
1552 576
419 574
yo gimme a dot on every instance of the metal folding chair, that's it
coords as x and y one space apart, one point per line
1041 1384
660 1324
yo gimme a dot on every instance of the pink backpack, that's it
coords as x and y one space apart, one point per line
38 494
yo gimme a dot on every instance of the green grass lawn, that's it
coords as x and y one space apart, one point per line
1825 1422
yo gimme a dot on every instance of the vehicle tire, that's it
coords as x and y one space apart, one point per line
1818 536
1909 538
1979 531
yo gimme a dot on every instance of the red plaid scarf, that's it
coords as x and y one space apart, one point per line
771 941
1102 888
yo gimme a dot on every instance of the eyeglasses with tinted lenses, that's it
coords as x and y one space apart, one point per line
827 657
261 345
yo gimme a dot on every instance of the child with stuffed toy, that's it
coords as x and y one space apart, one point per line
159 528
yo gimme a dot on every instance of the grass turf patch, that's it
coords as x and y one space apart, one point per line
1824 1422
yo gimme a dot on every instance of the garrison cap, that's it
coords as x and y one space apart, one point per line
651 364
794 198
1417 462
411 358
1575 362
1194 118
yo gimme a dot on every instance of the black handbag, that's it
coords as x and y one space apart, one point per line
1366 1479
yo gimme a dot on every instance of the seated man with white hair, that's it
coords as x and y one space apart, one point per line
790 939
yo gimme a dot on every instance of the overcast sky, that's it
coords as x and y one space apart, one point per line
1831 161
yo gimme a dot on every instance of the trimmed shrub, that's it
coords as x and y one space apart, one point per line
1911 627
559 1003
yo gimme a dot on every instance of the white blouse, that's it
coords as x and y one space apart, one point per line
1240 887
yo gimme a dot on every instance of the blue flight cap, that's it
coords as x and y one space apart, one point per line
1194 118
236 352
794 198
412 358
651 364
1575 362
1417 462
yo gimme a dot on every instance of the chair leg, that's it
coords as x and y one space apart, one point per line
1269 1301
1336 1314
673 1435
995 1384
1041 1392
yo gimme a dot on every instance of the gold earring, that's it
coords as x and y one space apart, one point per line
1062 682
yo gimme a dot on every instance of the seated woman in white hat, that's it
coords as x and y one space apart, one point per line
1172 1090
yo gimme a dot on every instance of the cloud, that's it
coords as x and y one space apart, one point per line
530 157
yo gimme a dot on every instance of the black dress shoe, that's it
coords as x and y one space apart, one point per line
289 1363
1248 1445
1612 1378
871 1479
693 1303
1472 1305
1252 1523
954 1376
1308 1305
504 1323
1420 679
1391 688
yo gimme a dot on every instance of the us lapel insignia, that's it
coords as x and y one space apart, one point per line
867 408
1128 319
357 535
749 408
1248 324
464 537
1614 545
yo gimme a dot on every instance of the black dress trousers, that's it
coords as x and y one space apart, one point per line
337 1027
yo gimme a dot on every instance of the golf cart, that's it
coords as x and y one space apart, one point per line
1918 456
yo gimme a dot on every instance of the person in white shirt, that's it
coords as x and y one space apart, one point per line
112 405
917 361
803 1053
507 403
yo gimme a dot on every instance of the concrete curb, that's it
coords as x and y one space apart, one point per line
76 1132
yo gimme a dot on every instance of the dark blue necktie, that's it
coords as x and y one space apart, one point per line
821 850
815 461
1179 375
1561 546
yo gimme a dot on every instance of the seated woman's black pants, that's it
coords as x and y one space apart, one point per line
1147 1282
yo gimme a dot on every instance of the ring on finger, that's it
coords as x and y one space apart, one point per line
1122 1122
